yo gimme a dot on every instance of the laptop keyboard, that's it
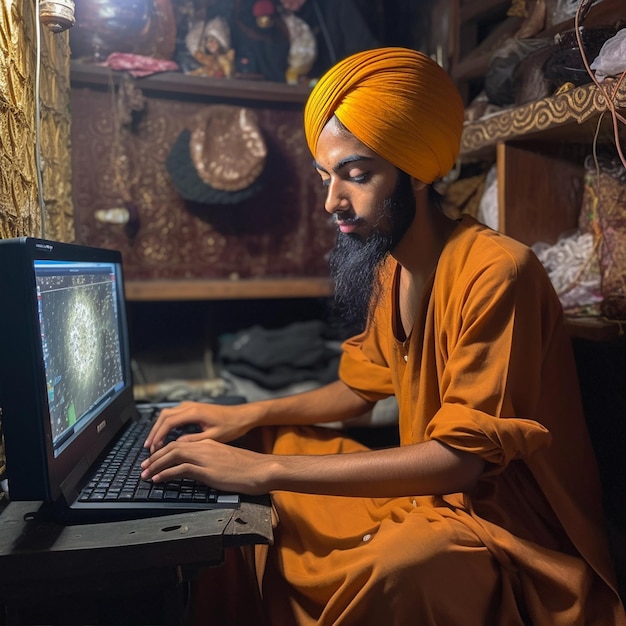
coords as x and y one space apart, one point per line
119 477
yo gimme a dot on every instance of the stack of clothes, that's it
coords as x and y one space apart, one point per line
262 362
258 364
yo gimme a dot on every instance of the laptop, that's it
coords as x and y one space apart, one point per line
66 390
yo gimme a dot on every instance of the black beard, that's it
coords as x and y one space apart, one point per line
355 263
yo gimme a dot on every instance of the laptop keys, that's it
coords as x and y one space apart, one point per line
119 478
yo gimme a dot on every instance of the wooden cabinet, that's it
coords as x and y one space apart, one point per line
539 148
479 27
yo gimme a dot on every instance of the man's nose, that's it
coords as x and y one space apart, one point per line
336 199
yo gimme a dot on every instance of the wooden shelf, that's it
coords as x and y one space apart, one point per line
570 117
177 84
472 9
602 13
161 290
595 328
475 64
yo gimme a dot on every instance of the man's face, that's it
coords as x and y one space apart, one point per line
372 203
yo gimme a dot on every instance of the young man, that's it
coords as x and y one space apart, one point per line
488 513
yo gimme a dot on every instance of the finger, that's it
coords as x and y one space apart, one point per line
163 425
154 456
153 435
164 469
194 436
171 456
153 464
182 470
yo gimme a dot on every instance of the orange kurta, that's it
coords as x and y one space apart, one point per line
487 368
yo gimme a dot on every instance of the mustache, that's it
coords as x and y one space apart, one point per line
345 218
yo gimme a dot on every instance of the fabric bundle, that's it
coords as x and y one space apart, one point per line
277 358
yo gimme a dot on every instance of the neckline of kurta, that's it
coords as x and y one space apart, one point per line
403 341
396 321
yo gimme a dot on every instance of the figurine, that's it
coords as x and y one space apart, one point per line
302 48
209 44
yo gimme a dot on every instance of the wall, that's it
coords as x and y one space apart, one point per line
281 231
19 189
19 205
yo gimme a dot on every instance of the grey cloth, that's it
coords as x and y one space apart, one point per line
275 358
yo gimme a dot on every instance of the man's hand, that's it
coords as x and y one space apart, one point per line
219 422
215 464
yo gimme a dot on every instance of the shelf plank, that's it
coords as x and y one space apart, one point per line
594 328
179 84
190 289
473 9
602 13
475 63
571 109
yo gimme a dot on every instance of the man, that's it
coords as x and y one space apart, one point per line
488 513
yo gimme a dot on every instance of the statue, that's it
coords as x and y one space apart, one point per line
209 44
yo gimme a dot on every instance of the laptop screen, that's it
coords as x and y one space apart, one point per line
65 378
78 313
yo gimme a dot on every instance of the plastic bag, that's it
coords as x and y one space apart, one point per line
611 59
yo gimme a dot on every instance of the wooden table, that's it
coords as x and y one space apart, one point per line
89 573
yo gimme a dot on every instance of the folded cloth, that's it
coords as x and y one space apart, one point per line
138 65
301 344
275 358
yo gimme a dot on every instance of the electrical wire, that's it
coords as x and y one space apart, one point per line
609 93
38 164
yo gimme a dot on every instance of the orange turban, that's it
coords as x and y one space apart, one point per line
399 102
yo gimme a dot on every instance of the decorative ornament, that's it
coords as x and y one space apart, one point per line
302 48
209 44
263 11
57 15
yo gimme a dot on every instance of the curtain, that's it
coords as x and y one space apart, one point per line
19 189
20 214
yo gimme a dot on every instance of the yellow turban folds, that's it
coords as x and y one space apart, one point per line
400 103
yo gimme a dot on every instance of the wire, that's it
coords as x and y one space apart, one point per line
38 165
608 92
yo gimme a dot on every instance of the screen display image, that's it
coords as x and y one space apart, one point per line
80 338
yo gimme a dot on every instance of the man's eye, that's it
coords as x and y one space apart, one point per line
359 177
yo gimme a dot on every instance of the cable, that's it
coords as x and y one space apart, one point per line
609 94
38 166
